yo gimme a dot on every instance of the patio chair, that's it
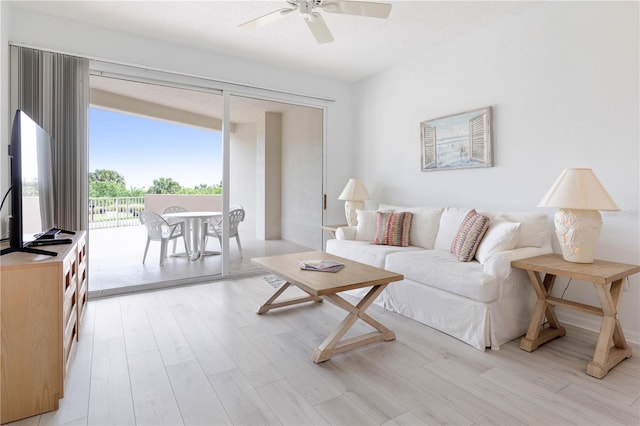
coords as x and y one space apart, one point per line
214 229
173 209
159 229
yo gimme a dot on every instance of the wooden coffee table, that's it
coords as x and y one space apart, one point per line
328 284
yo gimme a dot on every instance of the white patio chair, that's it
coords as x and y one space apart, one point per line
172 220
159 229
214 229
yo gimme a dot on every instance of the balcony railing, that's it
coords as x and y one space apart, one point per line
114 212
118 212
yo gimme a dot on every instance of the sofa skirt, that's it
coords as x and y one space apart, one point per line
478 324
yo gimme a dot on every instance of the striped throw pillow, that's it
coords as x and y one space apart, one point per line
469 235
393 228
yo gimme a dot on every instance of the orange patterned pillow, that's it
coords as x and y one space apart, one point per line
469 235
393 228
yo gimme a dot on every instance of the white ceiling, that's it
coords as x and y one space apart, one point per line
362 46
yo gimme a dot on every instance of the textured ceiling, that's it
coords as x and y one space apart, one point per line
362 46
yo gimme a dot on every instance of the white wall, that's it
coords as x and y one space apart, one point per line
269 176
243 178
41 31
192 202
563 81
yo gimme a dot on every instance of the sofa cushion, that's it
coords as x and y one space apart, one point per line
424 224
363 251
502 235
393 228
441 269
450 221
535 230
469 235
366 228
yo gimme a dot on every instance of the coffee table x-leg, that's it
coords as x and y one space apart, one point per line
333 343
269 304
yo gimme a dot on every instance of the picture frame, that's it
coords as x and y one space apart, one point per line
457 141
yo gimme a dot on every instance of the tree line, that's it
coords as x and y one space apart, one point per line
109 183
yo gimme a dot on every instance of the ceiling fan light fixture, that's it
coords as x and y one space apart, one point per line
305 8
330 7
314 20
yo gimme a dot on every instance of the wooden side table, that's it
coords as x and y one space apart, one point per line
333 228
600 273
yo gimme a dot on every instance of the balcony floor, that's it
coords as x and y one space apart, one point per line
115 260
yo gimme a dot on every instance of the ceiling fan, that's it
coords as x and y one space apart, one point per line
308 10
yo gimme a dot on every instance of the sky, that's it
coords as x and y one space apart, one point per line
142 150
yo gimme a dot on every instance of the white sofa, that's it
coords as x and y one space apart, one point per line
484 302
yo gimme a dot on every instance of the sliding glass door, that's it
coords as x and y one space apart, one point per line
275 178
249 179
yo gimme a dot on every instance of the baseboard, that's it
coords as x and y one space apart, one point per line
591 323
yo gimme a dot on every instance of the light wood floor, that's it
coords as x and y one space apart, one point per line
201 355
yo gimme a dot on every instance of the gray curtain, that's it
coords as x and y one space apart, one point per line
53 89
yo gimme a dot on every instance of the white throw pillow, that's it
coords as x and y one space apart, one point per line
502 235
450 222
367 224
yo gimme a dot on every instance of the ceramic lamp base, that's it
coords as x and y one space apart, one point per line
350 211
578 232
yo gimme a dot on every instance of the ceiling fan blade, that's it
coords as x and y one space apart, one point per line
266 19
361 8
319 28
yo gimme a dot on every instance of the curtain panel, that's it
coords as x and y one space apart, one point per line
53 89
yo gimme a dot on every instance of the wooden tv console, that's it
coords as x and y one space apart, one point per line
42 299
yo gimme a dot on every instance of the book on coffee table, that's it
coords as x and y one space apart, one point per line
321 265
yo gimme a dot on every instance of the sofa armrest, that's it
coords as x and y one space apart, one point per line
346 233
499 264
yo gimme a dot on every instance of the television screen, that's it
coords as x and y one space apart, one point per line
37 180
32 180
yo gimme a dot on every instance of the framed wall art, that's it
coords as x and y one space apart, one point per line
457 141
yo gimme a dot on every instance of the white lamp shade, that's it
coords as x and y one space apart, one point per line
354 191
578 189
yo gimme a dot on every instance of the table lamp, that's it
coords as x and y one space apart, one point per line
353 195
579 195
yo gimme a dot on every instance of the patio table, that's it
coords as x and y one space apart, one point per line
195 239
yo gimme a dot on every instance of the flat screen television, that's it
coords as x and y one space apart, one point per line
32 186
